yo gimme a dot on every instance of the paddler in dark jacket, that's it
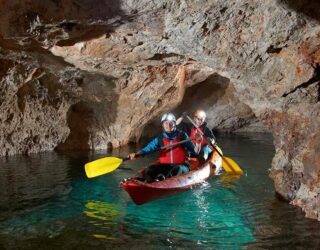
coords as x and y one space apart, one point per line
173 161
202 146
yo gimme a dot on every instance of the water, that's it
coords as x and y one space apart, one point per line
48 203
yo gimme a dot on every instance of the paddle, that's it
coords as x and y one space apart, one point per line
108 164
229 165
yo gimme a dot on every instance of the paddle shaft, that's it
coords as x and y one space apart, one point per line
229 165
161 148
202 134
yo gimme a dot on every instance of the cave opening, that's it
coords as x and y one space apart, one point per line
225 112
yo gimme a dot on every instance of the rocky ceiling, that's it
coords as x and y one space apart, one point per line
83 74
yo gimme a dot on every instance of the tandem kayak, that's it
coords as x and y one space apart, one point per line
142 192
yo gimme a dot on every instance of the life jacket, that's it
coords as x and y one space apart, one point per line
194 133
174 155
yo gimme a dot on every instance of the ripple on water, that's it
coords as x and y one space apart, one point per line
46 201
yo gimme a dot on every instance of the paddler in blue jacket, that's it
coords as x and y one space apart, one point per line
173 161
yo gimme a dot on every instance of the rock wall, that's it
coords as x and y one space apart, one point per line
92 74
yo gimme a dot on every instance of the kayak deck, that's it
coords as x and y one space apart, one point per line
142 192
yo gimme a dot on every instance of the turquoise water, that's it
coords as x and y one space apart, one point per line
47 202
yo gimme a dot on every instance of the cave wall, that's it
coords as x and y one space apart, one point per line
72 68
225 112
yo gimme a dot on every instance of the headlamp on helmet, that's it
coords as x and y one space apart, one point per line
168 117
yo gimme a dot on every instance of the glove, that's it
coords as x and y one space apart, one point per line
132 156
212 141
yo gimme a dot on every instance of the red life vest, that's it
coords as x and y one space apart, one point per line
195 133
175 155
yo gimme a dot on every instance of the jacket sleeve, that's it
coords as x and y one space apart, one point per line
208 133
185 127
151 146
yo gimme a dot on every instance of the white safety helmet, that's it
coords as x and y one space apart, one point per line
168 117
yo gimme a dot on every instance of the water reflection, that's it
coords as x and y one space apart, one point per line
104 216
229 180
31 181
46 201
101 211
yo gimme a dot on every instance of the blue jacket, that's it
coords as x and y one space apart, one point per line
156 143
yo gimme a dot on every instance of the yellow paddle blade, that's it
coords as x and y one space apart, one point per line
102 166
230 166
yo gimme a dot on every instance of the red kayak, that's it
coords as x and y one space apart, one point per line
142 192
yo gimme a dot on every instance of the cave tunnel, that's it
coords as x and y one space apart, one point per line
225 112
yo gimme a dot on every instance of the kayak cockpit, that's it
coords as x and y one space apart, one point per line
142 192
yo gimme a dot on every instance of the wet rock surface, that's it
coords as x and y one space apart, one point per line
92 74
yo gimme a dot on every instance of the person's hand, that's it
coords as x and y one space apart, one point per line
132 156
198 139
197 148
212 141
179 120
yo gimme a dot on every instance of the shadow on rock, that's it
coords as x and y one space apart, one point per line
92 114
310 8
51 20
